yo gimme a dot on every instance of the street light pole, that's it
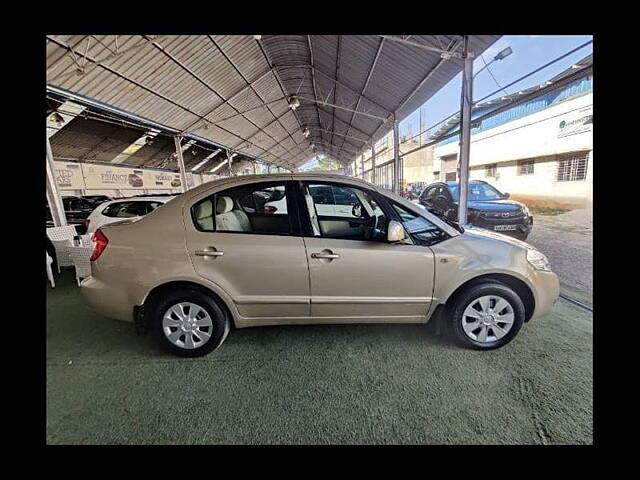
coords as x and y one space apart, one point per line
500 56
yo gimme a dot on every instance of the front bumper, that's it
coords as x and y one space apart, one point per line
523 225
546 288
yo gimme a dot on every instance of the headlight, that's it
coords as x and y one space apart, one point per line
538 260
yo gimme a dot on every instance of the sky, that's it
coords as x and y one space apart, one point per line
529 53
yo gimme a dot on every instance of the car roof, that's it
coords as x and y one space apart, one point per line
139 199
275 177
470 182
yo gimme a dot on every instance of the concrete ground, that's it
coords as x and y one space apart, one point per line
353 384
567 240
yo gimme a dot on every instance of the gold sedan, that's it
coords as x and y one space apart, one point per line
307 249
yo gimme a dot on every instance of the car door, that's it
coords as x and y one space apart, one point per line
361 278
255 254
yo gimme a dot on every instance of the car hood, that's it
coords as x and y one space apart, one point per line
475 232
495 205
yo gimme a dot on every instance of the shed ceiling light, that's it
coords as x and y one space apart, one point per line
306 132
293 102
56 117
148 140
257 37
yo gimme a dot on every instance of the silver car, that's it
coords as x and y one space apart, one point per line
271 250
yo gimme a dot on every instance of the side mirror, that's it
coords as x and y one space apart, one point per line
395 232
505 195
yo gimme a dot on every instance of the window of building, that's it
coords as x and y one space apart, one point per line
572 167
525 167
491 170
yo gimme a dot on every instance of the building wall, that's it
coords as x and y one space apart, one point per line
563 128
541 187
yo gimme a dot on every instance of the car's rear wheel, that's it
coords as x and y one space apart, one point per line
486 316
189 323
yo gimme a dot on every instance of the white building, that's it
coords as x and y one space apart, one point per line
541 151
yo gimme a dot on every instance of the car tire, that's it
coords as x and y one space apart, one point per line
485 327
203 320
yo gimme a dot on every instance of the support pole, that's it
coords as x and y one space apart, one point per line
53 196
183 174
396 156
373 164
362 165
465 130
229 163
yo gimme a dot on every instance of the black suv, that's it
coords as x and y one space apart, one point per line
76 209
486 207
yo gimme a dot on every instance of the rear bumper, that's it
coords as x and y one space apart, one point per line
546 292
106 300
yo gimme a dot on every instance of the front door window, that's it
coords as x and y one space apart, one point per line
344 212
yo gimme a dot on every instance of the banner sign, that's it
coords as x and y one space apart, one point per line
88 176
575 123
69 176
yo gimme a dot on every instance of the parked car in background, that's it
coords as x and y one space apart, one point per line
76 210
486 207
118 210
216 256
96 199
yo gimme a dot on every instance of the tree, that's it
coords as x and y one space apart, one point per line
325 163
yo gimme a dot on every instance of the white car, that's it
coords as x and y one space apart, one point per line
126 208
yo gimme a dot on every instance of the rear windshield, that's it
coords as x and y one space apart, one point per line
130 209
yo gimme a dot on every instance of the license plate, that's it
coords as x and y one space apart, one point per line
502 228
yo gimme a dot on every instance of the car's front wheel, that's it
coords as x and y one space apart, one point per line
189 323
486 316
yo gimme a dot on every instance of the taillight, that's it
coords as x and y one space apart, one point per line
270 209
100 242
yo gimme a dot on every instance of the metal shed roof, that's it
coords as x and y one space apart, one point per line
234 89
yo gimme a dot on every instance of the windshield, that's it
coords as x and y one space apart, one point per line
477 192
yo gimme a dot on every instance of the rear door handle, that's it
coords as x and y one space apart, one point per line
208 253
327 255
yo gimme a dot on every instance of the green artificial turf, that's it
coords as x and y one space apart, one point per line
339 384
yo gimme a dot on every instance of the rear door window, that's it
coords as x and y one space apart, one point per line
259 208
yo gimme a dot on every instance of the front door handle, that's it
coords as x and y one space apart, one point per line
208 253
328 254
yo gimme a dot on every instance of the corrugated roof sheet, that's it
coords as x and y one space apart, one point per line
187 82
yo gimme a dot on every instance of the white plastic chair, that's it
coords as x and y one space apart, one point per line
50 272
62 238
80 258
